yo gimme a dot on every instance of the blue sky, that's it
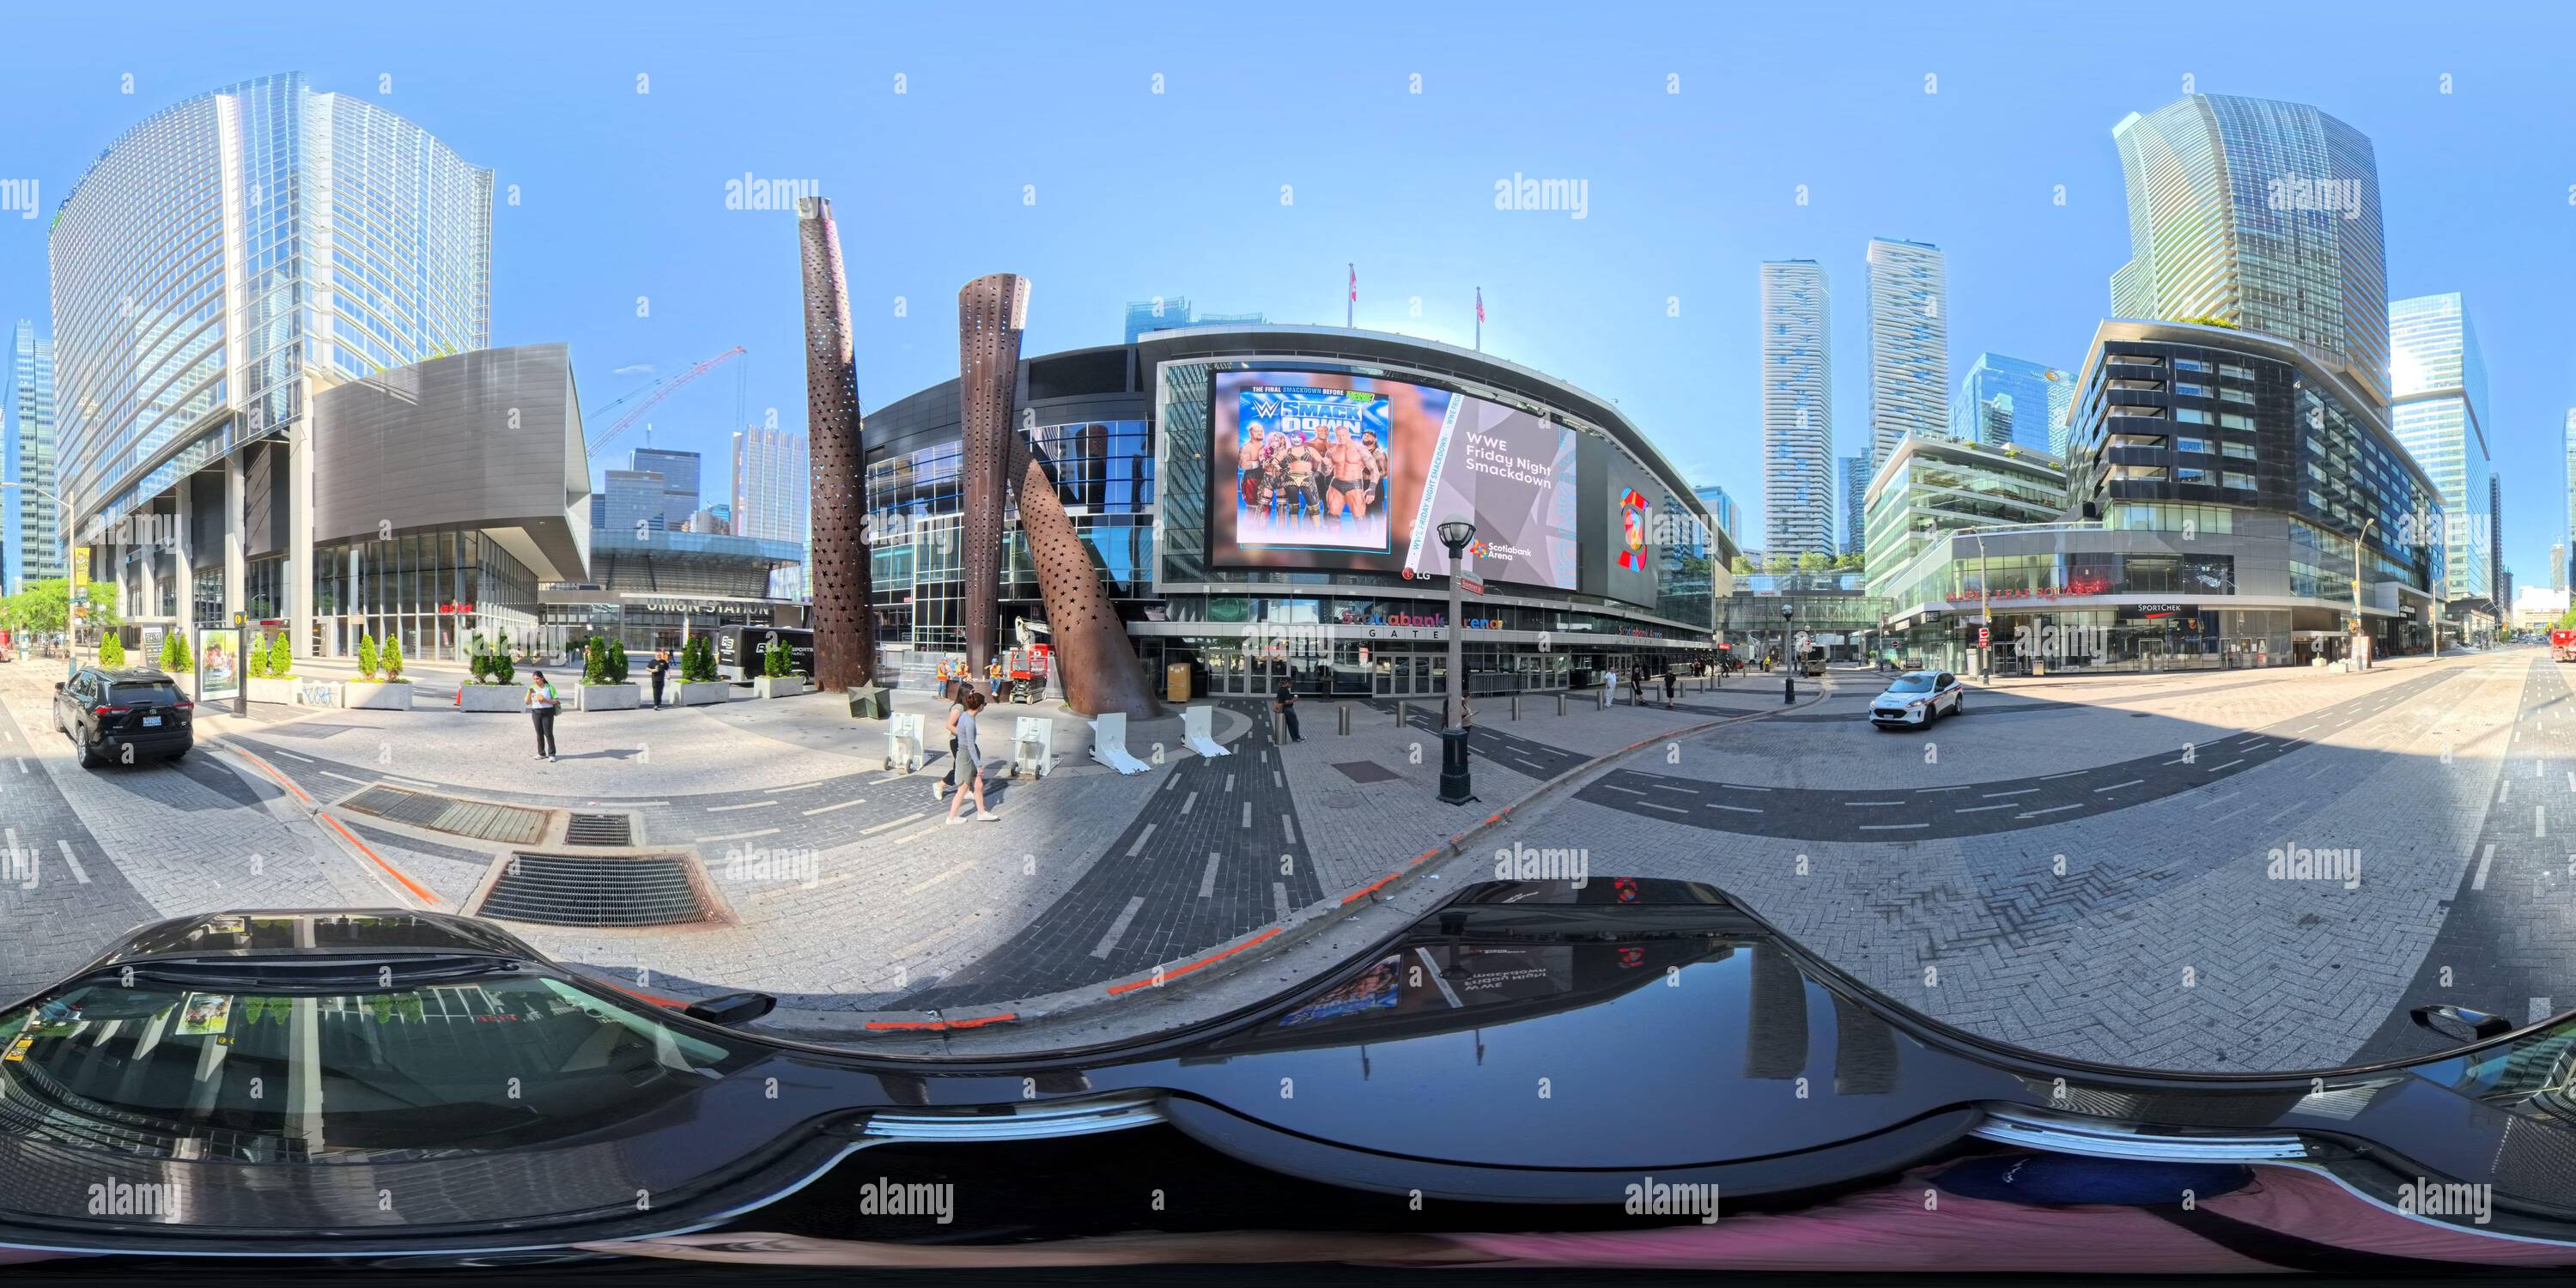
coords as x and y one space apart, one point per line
621 194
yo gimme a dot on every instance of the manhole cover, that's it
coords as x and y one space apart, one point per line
1366 771
600 829
594 890
508 824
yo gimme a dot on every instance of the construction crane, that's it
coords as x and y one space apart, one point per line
654 394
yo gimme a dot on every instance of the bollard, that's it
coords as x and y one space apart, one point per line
1344 710
1403 712
1560 702
1516 706
1278 727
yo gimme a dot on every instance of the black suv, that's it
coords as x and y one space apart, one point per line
124 715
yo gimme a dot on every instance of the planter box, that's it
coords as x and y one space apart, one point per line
489 697
263 689
369 695
607 697
784 686
704 692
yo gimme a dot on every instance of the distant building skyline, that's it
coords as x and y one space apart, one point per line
2438 381
2003 399
1171 312
1909 343
31 546
1854 475
1797 408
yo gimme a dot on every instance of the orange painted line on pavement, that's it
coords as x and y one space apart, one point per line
271 771
408 884
1209 960
976 1023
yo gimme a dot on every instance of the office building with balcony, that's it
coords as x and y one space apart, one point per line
1797 379
31 530
1909 343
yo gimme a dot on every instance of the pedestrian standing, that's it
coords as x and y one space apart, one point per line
956 696
1668 688
993 672
972 782
658 668
1283 700
542 704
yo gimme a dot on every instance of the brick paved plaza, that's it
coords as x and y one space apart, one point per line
2082 865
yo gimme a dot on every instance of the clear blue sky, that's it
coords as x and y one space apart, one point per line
622 194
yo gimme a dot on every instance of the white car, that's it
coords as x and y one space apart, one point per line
1918 698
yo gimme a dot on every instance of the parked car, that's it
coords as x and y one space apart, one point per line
1918 698
124 715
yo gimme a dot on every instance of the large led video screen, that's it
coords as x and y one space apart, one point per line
1335 472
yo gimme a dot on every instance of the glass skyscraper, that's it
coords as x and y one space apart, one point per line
30 530
1855 474
2005 400
1797 410
2439 382
227 259
1722 510
1909 344
2261 214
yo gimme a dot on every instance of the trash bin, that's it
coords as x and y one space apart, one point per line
1176 682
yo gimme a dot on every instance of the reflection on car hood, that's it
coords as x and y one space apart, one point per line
1533 1041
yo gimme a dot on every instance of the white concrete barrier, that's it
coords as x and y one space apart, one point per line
1109 743
1198 730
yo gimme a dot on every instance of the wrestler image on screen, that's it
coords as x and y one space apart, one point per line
1308 474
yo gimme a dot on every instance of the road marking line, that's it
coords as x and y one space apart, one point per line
2117 786
1172 782
887 779
344 778
887 827
1875 802
1189 801
1207 879
1246 825
1639 792
2022 792
1277 781
2229 765
1229 782
70 860
2479 882
1288 826
1980 809
1119 927
826 809
1890 827
292 756
2540 820
1669 809
1279 898
1141 838
1740 809
1740 787
2504 794
2054 809
2068 774
916 889
1959 788
736 836
719 809
797 788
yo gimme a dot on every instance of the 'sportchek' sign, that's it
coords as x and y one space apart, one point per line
1471 585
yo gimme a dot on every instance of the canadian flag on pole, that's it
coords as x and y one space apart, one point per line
1355 283
1480 304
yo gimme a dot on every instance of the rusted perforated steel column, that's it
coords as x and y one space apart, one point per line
845 642
1092 652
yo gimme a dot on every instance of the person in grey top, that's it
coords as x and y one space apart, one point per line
970 759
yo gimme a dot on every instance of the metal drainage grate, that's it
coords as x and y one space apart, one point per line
508 824
589 890
600 829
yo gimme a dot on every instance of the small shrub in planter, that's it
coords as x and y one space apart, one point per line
393 659
698 661
617 669
174 654
255 664
594 663
775 664
281 659
368 662
111 652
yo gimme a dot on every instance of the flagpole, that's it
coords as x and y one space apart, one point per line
1480 319
1350 304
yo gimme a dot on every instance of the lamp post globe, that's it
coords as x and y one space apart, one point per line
1455 789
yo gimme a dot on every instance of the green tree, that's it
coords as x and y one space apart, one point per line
111 651
594 663
1777 564
698 661
175 657
393 658
281 659
1740 566
368 661
2210 319
1815 561
617 664
774 663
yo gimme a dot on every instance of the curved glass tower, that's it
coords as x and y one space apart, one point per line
217 266
2262 215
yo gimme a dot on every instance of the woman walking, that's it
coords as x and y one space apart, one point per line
542 703
970 758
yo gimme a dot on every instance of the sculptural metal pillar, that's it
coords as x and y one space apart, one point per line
844 620
1093 655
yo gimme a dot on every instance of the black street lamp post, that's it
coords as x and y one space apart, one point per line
1454 787
1789 660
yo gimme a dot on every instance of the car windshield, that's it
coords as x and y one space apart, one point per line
1917 683
497 1060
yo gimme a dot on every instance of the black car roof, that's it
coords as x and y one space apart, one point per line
133 674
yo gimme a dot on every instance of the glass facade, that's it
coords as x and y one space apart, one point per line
2439 380
2010 400
227 247
1938 487
1797 410
2260 213
31 544
1909 344
433 591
